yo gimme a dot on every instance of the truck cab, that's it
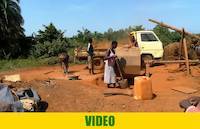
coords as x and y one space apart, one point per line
150 45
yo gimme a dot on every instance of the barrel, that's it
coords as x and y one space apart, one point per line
142 88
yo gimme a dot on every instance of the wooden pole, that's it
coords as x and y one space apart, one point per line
181 44
186 56
174 28
170 61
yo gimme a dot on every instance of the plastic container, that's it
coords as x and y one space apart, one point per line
143 88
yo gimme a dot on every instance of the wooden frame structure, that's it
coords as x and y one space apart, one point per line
182 47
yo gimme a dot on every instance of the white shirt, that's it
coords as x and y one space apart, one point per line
88 46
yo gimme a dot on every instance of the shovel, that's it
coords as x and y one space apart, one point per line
124 82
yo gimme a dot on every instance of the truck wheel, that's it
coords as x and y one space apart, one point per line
98 63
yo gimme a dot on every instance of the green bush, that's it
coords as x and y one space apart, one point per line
49 49
53 60
49 42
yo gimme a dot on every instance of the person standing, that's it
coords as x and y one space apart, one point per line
90 51
64 62
109 73
132 41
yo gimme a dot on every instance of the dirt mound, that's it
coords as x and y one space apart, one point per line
171 51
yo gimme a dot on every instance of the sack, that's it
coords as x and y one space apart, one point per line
28 93
8 103
29 99
21 101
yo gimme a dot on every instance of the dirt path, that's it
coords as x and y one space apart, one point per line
86 94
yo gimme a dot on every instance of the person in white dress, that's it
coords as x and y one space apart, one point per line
109 73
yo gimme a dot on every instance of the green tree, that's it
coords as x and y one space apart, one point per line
11 30
175 36
135 28
81 39
109 34
165 35
97 36
50 42
49 33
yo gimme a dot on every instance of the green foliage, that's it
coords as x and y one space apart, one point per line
50 42
21 63
81 39
166 36
98 36
134 28
49 33
11 31
175 36
49 49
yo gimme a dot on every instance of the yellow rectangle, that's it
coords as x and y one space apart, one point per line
77 120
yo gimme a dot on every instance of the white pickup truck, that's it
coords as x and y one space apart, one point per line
150 45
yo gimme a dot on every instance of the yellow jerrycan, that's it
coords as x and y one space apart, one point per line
142 88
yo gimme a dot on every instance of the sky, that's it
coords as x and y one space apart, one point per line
100 15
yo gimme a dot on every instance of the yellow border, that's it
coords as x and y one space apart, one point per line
77 120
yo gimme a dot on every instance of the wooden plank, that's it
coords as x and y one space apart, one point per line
181 47
171 61
12 78
185 90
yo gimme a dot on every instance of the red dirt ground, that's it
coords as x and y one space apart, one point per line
86 95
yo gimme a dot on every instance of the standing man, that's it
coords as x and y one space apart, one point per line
90 51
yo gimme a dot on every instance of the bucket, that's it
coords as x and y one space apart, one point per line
143 88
